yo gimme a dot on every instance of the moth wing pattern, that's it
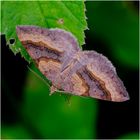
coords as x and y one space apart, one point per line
84 73
92 74
51 49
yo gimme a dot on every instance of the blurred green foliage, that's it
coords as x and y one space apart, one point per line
54 117
15 132
130 136
117 23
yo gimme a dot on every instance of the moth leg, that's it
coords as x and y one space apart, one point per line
52 90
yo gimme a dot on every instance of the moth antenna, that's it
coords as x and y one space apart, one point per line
38 76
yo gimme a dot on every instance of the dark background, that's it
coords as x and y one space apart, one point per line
114 120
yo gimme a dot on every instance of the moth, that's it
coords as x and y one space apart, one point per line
57 54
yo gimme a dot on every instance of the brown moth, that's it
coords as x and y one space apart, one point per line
59 57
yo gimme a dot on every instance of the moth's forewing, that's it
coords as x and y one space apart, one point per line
51 49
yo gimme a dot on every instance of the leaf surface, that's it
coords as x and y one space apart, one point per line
68 15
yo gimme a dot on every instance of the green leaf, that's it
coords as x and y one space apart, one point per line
68 15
